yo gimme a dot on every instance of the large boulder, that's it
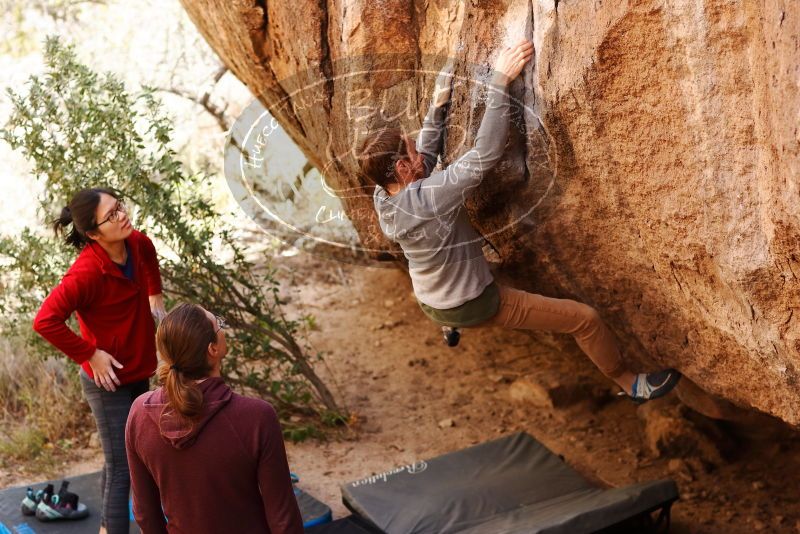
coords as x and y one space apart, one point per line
652 172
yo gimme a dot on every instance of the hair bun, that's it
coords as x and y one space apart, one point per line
66 215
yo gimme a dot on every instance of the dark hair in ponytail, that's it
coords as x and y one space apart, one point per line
80 213
182 339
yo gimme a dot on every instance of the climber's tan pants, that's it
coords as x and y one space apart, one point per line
529 311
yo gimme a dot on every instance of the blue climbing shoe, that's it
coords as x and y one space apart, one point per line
33 498
62 505
649 386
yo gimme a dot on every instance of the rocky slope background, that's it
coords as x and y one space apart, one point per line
652 171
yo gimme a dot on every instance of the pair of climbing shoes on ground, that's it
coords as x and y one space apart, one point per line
49 506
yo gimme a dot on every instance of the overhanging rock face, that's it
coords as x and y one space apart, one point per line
652 171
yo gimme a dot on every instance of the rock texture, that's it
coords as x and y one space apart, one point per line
669 432
653 170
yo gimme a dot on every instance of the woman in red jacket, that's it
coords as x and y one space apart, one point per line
201 455
114 288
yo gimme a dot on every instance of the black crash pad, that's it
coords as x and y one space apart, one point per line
313 511
511 485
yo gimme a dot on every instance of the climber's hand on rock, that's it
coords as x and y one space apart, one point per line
441 91
509 63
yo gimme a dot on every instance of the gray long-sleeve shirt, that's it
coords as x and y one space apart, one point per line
427 218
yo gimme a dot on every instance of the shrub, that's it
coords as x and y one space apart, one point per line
81 129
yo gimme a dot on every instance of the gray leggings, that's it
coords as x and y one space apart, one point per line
110 410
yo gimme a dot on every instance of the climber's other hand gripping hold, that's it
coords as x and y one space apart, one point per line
511 60
509 63
443 84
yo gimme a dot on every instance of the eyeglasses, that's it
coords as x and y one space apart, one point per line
222 324
114 215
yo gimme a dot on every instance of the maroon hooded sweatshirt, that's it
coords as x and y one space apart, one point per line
227 473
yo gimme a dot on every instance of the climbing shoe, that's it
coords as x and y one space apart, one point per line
62 505
33 498
649 386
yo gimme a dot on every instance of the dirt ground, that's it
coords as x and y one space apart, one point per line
413 398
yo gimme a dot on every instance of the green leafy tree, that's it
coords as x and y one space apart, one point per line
82 129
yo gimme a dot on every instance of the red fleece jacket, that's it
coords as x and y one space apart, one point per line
226 472
113 312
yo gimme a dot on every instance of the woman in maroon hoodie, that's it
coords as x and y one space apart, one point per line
113 287
201 455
